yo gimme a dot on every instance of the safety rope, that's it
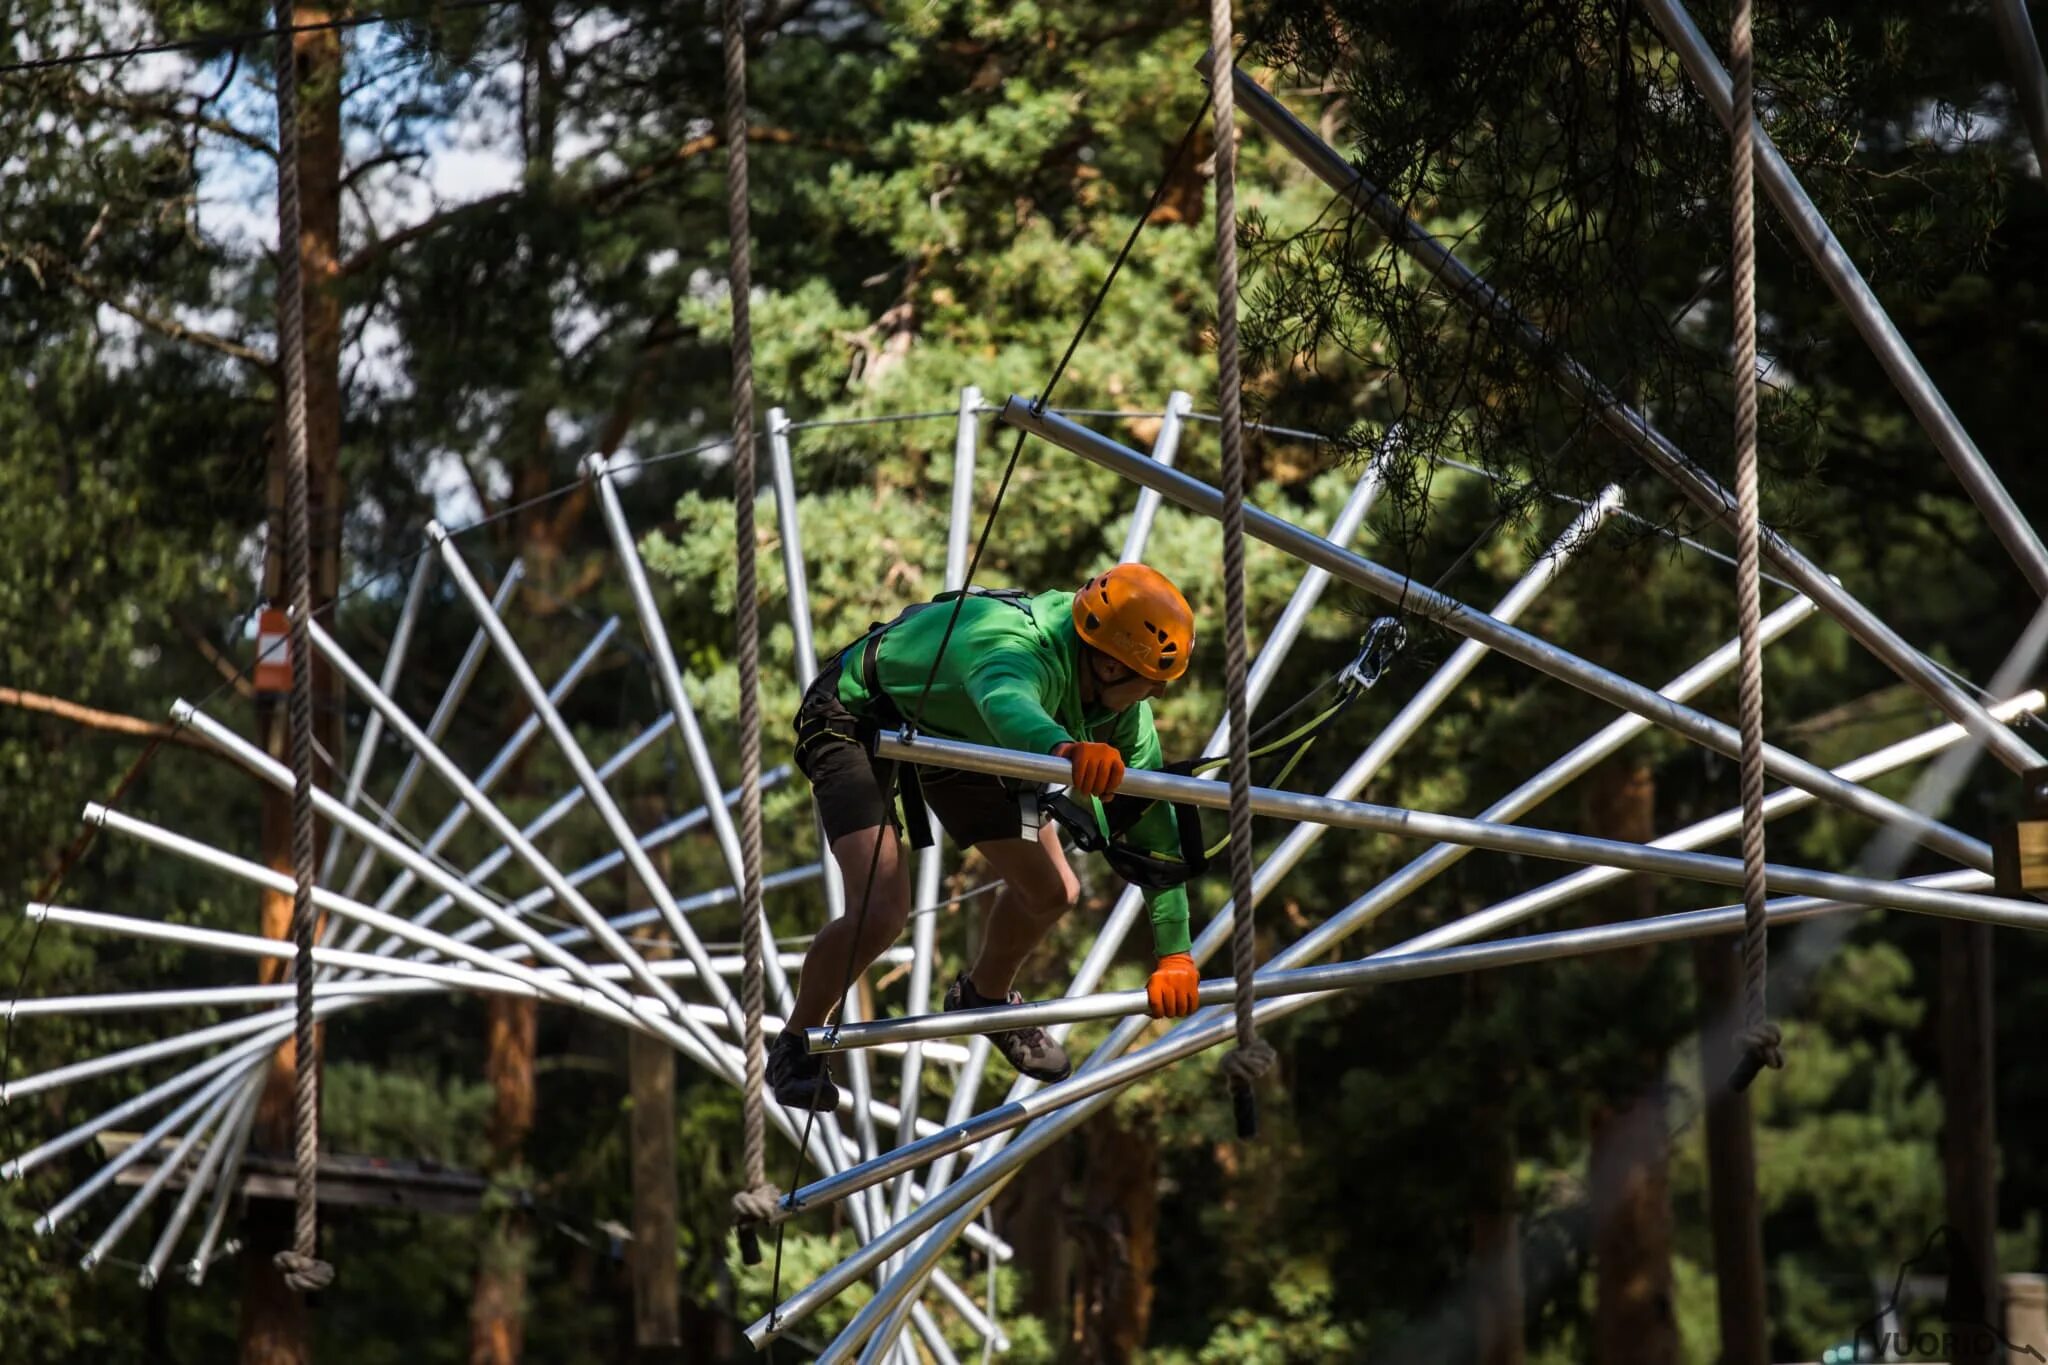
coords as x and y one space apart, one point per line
303 1269
1252 1057
756 1203
1760 1038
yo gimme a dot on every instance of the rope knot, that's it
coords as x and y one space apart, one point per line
305 1274
1765 1044
756 1204
1247 1062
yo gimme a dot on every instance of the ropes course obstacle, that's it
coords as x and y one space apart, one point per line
592 963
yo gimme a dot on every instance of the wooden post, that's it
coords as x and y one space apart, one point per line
1634 1319
1969 1147
274 1326
1731 1160
1498 1300
657 1290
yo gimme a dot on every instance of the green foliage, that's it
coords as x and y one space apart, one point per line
942 193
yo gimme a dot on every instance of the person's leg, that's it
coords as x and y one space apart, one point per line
1038 888
847 946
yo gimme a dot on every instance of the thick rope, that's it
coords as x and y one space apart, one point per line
1251 1058
755 1203
1760 1040
303 1269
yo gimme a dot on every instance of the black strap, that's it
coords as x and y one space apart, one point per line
1135 865
882 712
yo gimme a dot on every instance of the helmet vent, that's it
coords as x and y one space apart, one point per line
1093 622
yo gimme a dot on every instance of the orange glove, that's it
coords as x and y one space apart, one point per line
1098 768
1172 987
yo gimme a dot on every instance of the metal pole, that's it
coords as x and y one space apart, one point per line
17 1167
503 827
437 724
147 1194
1632 428
405 982
1061 1109
258 875
104 1176
508 754
1854 293
600 797
202 1257
1407 881
703 900
1784 801
671 679
373 729
1515 644
539 825
599 866
959 517
932 750
1407 962
2029 78
240 1106
271 771
1165 447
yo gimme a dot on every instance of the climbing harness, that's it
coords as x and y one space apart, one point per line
879 711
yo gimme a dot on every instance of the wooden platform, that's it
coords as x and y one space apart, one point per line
345 1181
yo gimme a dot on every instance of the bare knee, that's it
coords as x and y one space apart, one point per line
1049 897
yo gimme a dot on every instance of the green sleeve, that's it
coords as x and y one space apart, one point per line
1008 690
1155 832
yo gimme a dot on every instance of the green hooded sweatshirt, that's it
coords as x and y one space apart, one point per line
1010 679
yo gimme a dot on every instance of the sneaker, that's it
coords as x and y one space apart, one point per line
799 1080
1031 1050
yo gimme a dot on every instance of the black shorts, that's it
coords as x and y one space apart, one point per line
856 791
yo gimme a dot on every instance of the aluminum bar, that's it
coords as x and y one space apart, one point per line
1515 644
1854 293
1629 426
437 724
1414 824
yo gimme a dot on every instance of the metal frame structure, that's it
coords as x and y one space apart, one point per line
905 1198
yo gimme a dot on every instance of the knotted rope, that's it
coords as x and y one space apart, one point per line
756 1203
1759 1038
1251 1058
303 1269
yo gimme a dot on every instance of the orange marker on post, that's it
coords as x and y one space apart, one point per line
273 652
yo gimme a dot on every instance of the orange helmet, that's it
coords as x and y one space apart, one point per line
1136 616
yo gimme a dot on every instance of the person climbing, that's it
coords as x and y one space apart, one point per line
1071 674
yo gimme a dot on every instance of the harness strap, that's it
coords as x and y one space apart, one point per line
881 711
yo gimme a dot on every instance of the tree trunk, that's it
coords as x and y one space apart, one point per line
1118 1240
1633 1318
651 1075
1032 1217
497 1313
1969 1150
1496 1234
1731 1161
274 1326
497 1309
